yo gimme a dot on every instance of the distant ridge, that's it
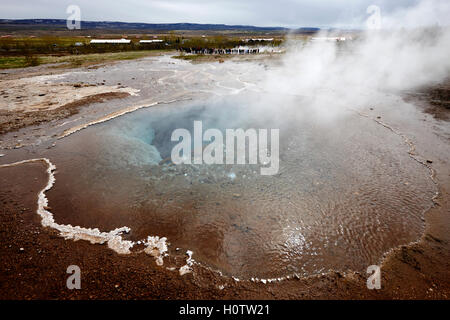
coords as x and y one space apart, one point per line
146 26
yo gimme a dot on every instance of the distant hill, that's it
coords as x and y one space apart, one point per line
89 25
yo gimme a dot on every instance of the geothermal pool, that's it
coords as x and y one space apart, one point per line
346 191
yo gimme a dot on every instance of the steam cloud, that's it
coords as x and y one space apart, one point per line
352 73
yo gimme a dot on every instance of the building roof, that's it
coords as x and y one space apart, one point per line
110 41
150 41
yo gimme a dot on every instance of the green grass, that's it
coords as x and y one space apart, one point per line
70 61
97 58
18 62
21 51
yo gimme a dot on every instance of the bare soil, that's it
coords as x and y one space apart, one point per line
34 261
435 100
15 120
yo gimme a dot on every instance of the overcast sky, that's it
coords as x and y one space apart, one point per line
288 13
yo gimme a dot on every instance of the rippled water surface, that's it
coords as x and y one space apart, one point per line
346 192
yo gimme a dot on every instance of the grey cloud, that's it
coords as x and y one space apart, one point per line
291 13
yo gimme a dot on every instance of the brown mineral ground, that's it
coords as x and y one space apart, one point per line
34 261
14 120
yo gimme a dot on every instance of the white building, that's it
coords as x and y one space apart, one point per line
151 41
259 39
120 41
